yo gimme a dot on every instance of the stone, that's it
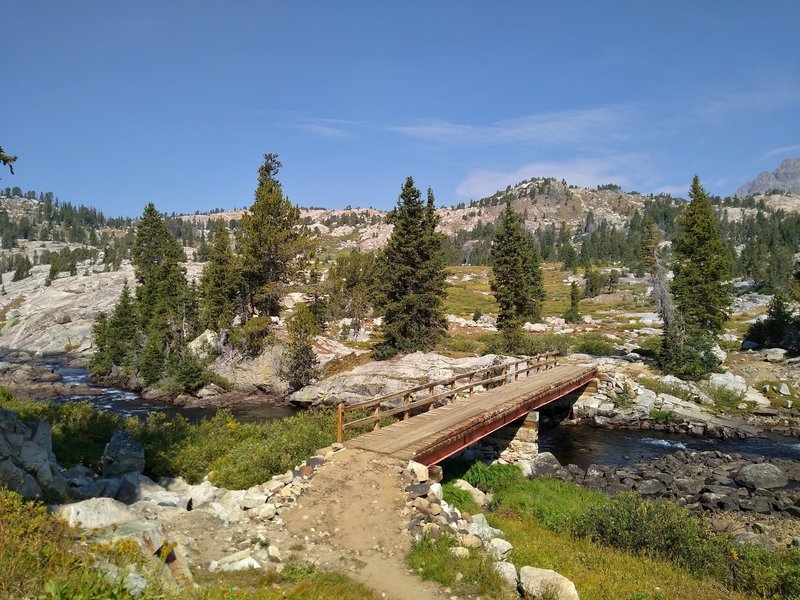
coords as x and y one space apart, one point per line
507 573
478 496
774 355
543 465
762 475
459 552
123 454
471 541
61 317
202 494
420 471
436 491
97 513
268 511
499 548
241 565
784 390
649 487
750 345
19 481
274 554
545 583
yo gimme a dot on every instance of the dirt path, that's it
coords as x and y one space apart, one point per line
351 519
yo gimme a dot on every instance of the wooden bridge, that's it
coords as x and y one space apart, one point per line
470 407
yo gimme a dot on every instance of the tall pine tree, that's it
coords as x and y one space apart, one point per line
701 266
411 276
219 282
273 242
517 280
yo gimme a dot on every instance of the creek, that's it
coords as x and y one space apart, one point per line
571 444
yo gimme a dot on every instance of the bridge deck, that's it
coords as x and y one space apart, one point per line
440 432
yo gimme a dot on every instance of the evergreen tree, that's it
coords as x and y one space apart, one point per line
649 247
219 282
701 266
411 276
300 362
272 242
517 280
573 314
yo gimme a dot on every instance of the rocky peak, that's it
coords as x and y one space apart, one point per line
785 178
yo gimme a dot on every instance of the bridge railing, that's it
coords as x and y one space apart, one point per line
496 375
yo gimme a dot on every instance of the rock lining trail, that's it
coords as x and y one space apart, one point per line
352 517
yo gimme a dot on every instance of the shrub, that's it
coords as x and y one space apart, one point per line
595 344
650 346
779 328
662 387
460 343
383 351
659 529
477 314
724 397
663 417
525 344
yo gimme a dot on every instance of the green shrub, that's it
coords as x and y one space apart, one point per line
38 558
383 351
659 529
724 397
525 344
460 343
650 346
594 344
492 478
663 417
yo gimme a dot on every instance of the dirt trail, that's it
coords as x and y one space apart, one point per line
351 519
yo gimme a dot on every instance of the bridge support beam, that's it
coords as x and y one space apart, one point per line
519 440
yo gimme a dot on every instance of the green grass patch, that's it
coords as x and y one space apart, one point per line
525 344
662 417
432 560
465 297
459 498
725 398
554 503
593 343
650 346
461 344
492 478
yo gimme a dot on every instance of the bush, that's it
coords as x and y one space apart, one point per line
39 560
662 417
778 329
659 529
650 346
525 344
460 343
673 389
492 478
594 344
724 397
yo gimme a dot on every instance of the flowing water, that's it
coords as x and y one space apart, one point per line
580 445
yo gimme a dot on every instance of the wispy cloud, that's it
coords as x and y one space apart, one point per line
623 169
328 128
673 190
782 150
728 105
546 129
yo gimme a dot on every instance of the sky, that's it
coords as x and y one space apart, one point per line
115 104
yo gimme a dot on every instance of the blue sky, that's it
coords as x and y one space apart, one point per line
115 104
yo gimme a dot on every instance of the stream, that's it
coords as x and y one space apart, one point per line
577 444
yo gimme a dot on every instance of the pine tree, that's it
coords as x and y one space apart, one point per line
272 242
701 266
649 247
219 282
573 314
411 276
300 362
517 280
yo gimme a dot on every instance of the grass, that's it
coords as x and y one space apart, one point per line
663 387
346 363
459 498
465 297
662 417
725 398
433 560
238 455
594 344
460 344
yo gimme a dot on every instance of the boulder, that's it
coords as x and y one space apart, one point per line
774 355
97 513
545 583
499 548
135 487
123 454
507 573
61 317
544 464
478 496
761 475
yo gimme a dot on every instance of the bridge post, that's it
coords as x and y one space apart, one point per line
523 439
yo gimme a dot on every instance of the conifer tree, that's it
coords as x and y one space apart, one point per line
272 242
573 314
411 276
219 282
649 246
300 361
517 280
701 266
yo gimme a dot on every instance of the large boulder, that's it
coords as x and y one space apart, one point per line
97 513
545 583
544 464
123 454
762 475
